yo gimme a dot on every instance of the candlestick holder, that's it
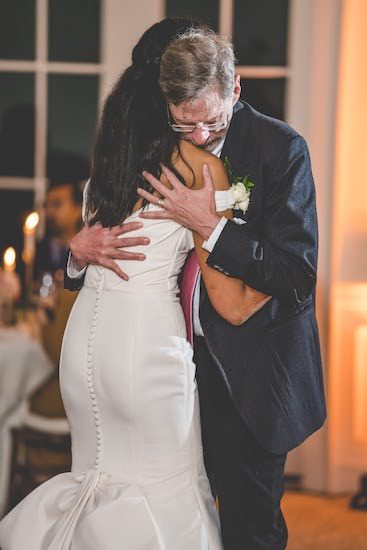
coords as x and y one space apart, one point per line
10 290
29 231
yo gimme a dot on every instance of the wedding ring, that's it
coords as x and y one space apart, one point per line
161 202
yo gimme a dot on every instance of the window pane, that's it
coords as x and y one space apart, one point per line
16 124
17 29
14 206
265 95
260 31
206 11
72 114
73 32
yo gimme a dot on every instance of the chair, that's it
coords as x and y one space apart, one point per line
40 445
38 453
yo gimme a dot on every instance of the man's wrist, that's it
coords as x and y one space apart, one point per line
210 243
72 269
78 262
207 228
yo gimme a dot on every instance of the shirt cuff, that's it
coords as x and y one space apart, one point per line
72 269
212 241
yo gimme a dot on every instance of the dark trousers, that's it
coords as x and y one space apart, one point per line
247 479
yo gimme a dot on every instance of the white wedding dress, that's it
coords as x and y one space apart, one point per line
127 379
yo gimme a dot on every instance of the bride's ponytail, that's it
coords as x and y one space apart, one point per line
134 134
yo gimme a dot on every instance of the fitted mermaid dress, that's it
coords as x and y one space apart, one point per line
127 380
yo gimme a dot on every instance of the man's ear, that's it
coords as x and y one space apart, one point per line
236 88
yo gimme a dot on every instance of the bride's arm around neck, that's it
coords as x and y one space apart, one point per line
232 298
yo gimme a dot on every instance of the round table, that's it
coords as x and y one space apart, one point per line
24 365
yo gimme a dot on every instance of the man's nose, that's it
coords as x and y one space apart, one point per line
200 136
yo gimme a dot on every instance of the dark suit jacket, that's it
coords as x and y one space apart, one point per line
45 260
271 364
72 284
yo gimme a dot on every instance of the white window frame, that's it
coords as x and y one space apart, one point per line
247 71
41 68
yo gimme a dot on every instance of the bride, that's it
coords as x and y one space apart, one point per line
127 377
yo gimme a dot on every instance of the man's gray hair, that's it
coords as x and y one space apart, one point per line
197 61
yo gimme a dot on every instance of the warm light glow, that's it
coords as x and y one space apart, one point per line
9 258
360 384
347 406
31 222
350 189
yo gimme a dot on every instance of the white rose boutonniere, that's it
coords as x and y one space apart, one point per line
241 187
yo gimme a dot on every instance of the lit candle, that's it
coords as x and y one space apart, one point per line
29 230
9 259
29 249
10 288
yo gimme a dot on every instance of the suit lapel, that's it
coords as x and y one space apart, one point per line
229 142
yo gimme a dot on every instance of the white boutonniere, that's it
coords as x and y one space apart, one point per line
241 187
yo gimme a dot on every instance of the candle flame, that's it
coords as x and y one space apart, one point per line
9 256
31 221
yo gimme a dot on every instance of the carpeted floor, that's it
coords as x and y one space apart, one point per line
323 523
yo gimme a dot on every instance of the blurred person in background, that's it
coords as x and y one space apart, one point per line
63 219
63 212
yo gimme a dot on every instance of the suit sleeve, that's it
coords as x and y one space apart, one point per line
74 279
279 255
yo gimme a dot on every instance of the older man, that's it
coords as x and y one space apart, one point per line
260 384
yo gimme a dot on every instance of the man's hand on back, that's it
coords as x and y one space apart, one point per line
102 246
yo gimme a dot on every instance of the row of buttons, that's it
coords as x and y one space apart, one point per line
92 392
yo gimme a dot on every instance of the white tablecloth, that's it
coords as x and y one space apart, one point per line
23 367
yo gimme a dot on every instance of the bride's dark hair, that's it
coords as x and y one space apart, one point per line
133 134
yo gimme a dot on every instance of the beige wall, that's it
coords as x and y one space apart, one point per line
350 222
348 306
124 21
312 92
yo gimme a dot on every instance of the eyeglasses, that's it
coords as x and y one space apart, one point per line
188 128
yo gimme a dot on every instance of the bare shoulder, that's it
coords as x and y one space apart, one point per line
196 158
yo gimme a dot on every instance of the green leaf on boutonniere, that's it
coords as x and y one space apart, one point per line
233 179
229 169
247 183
